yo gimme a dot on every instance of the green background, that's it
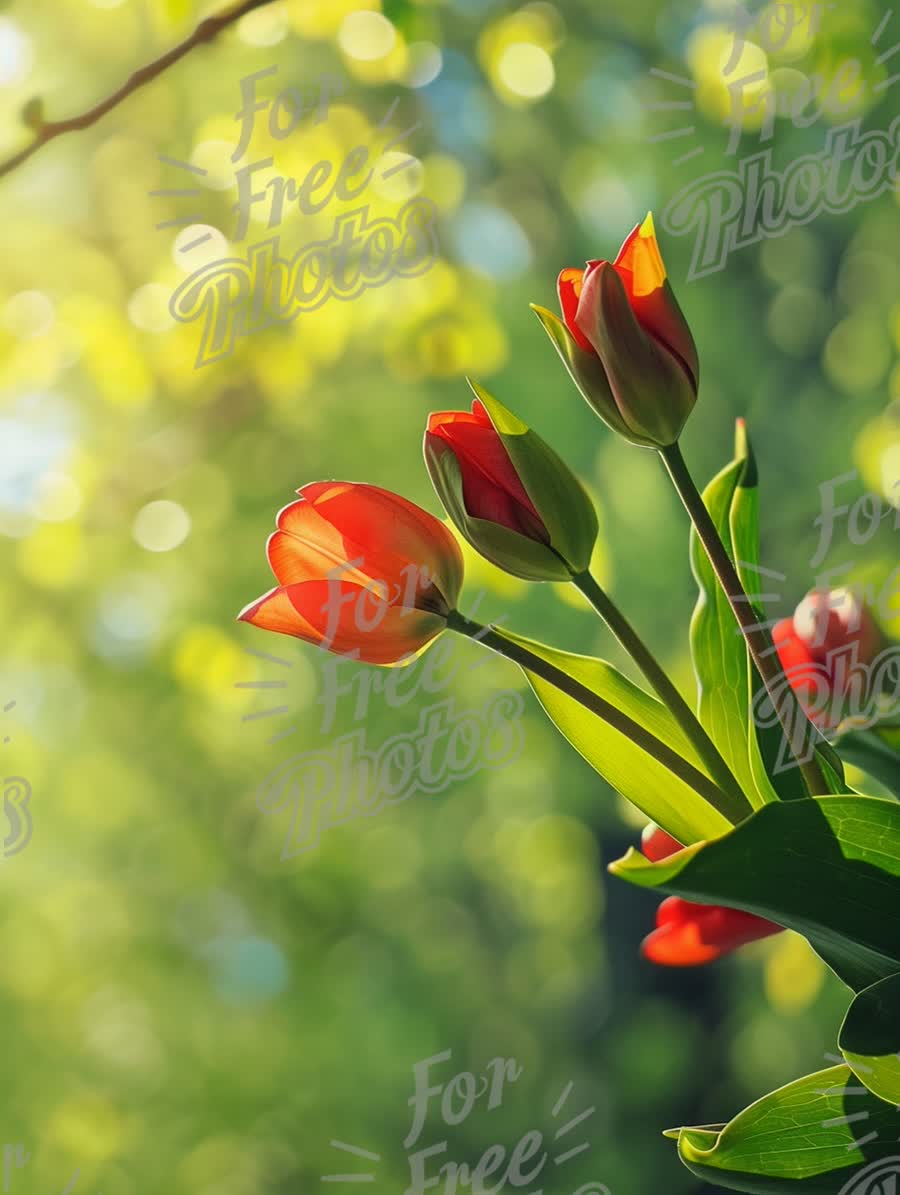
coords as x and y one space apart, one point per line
181 1008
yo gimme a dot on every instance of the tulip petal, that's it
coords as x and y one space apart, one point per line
491 487
346 619
568 287
689 934
656 844
514 553
305 546
393 537
640 266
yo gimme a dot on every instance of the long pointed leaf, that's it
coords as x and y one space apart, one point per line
663 797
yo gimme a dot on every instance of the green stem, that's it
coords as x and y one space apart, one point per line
667 693
638 734
784 702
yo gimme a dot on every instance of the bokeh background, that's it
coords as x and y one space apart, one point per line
181 1008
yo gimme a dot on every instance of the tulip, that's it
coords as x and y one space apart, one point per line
626 343
508 493
689 934
360 572
829 633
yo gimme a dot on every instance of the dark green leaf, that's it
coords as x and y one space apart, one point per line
868 750
870 1038
828 867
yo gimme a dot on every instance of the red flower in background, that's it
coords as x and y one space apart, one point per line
689 934
360 571
829 632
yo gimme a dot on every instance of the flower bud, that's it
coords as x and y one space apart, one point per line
626 343
820 648
508 493
689 934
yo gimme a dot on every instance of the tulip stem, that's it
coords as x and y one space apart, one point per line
687 720
797 728
639 735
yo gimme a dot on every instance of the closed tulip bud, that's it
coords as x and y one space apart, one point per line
820 648
360 572
689 934
625 342
508 493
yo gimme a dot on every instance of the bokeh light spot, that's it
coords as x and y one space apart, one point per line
367 36
527 70
161 526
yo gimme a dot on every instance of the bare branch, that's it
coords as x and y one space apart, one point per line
46 130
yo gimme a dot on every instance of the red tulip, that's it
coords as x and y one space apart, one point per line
360 571
829 633
491 487
626 342
688 934
508 493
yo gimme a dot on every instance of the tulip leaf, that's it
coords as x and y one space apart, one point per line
868 750
820 1135
730 687
718 649
558 496
828 867
665 798
870 1038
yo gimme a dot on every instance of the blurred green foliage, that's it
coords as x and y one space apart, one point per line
182 1010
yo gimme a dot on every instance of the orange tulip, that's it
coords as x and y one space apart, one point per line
361 571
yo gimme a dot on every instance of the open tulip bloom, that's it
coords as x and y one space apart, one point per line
754 827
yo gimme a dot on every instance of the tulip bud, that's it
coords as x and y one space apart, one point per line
689 934
830 634
508 493
625 342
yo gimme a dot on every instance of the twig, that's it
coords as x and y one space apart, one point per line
207 29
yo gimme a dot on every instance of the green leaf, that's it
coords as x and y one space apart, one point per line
870 1038
820 1135
828 867
730 687
665 799
718 650
868 750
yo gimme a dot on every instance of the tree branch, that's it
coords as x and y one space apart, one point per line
47 130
